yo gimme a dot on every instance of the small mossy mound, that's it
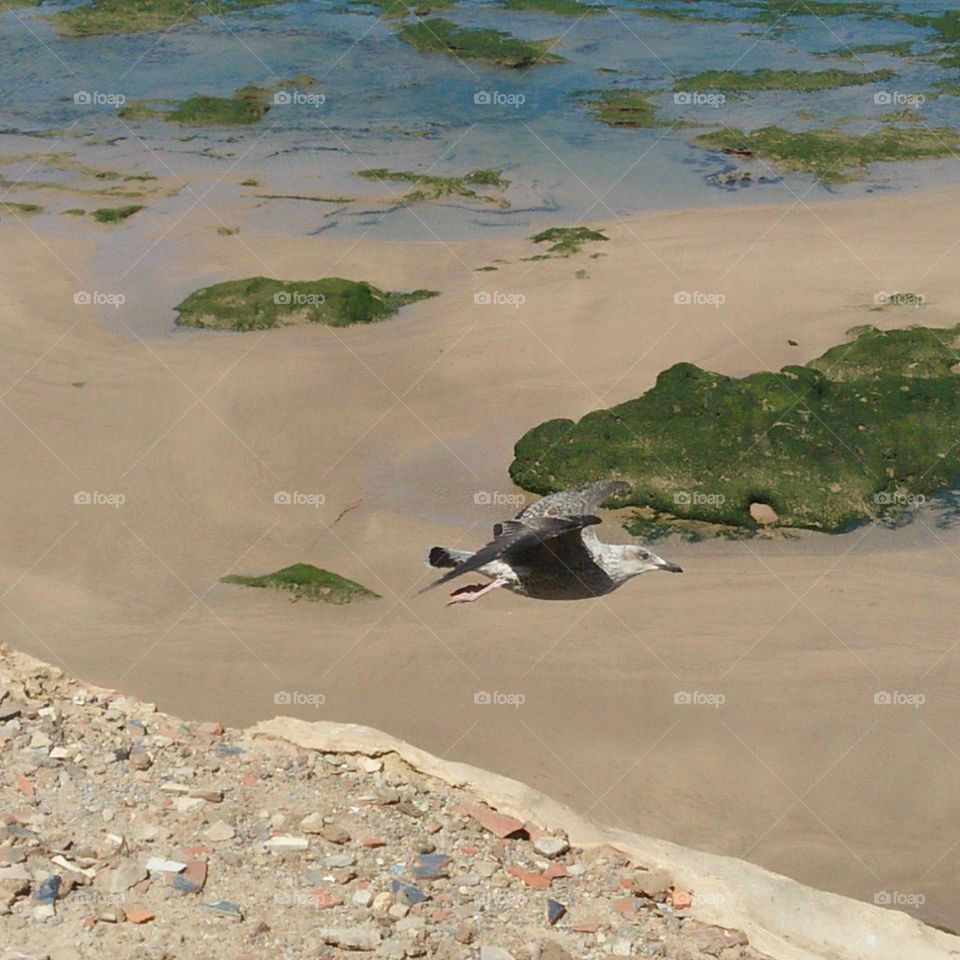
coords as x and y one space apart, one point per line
308 582
622 108
431 187
860 432
565 241
733 82
392 9
833 156
19 209
562 8
477 43
143 16
260 303
115 214
241 109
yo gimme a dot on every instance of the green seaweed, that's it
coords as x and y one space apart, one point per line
733 82
261 303
393 9
9 206
202 111
565 241
831 155
430 187
477 43
307 582
623 108
563 8
115 214
901 48
863 431
143 16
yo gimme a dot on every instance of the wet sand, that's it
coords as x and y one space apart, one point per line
400 425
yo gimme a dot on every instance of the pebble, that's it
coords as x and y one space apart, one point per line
555 911
350 938
495 953
285 844
224 908
551 846
219 832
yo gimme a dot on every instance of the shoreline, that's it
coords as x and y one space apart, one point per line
726 903
200 432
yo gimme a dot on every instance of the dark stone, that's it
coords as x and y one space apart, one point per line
407 893
555 910
48 890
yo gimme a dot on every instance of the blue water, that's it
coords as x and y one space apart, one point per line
386 104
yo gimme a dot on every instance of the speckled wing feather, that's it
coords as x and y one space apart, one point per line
517 536
568 503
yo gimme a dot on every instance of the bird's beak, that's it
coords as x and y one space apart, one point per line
670 567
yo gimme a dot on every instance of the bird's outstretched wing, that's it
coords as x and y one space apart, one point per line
516 536
583 501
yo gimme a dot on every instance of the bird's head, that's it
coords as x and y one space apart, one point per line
639 560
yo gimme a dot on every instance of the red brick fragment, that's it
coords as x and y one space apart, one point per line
530 877
138 914
499 824
25 786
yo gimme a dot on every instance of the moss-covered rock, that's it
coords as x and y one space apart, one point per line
565 241
477 43
862 431
834 156
308 582
115 214
260 303
734 82
143 16
623 107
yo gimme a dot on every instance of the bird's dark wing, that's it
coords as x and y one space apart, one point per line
583 501
517 536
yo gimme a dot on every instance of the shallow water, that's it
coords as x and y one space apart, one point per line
388 105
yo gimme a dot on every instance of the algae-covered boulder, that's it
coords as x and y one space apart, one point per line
260 303
866 429
308 582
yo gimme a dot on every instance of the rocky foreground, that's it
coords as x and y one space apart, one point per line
131 834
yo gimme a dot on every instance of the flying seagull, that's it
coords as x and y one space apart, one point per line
550 551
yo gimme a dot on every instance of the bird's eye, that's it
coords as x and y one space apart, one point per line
644 555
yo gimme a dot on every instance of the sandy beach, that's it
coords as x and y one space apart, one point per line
400 426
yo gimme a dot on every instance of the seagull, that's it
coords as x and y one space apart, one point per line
549 551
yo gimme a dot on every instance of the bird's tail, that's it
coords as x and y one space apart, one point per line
443 557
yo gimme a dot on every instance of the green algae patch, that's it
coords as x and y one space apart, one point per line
562 8
477 43
833 156
260 303
807 81
144 16
566 241
470 186
861 432
901 48
19 209
241 109
307 582
115 214
623 108
393 9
